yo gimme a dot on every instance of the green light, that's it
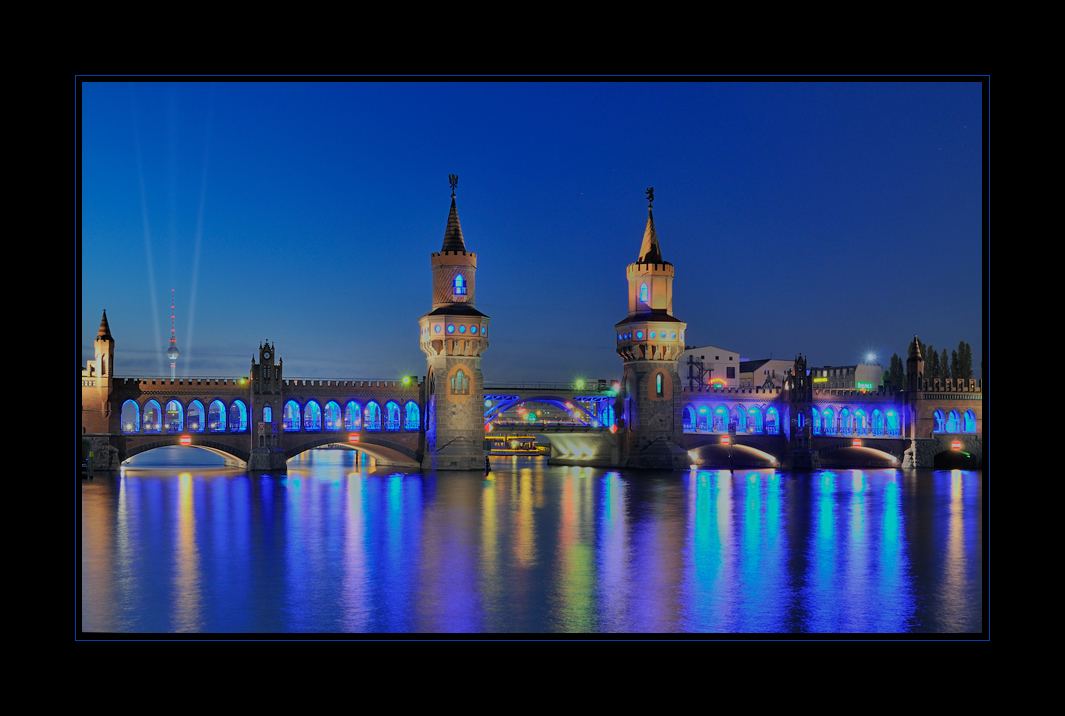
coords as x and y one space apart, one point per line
580 384
531 417
406 380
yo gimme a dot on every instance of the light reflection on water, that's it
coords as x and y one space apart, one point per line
335 546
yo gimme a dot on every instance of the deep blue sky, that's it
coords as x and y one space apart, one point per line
830 219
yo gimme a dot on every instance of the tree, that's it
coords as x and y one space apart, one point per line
931 367
944 365
965 361
895 377
955 370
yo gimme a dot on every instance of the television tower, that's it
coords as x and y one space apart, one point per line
172 352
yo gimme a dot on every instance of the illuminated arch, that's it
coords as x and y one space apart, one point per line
268 414
153 417
332 418
197 419
953 422
372 416
861 422
412 416
739 413
238 417
878 422
892 420
645 293
969 422
846 425
392 416
216 417
130 417
290 417
828 421
352 416
703 419
772 421
816 427
755 421
173 417
689 419
312 417
720 419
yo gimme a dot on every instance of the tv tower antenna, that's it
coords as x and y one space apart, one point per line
172 352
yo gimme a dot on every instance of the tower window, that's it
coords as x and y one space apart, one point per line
460 285
658 384
645 293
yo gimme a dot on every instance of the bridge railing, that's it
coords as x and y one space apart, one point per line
587 385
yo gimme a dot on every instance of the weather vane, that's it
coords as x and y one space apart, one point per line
650 196
454 179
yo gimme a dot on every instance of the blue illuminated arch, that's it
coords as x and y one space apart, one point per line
828 425
216 417
331 417
739 414
953 422
413 417
846 426
392 416
645 293
969 422
153 417
197 418
290 417
893 425
372 416
772 421
941 421
130 417
816 427
352 416
312 417
878 422
720 419
173 416
268 414
861 422
689 419
755 421
238 417
460 285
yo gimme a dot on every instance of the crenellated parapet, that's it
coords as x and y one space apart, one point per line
706 390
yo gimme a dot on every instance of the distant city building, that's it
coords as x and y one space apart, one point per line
760 373
709 365
847 377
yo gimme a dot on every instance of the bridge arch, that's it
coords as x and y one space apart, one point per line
174 416
197 417
153 417
130 417
384 451
852 456
234 457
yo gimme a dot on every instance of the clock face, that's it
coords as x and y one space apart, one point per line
266 355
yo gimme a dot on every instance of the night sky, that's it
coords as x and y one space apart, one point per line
832 219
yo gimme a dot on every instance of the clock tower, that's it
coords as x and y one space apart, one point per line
266 405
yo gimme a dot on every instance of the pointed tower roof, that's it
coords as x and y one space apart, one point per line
453 233
915 348
650 252
104 334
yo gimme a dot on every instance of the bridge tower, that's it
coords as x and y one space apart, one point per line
649 341
453 336
266 405
97 383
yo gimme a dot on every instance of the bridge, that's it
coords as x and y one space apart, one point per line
647 419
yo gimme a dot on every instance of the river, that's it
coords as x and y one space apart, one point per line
340 547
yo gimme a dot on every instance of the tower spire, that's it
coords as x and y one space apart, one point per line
453 233
650 252
104 334
172 352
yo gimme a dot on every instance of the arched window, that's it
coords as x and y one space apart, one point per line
392 419
720 419
893 427
969 424
216 417
352 416
953 423
268 414
291 416
460 285
153 417
703 419
331 418
413 418
645 293
772 422
658 385
130 417
754 420
739 414
312 417
197 417
941 421
829 421
689 419
878 422
373 416
460 383
238 417
816 427
174 414
861 425
845 426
